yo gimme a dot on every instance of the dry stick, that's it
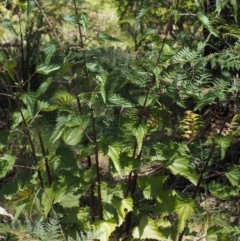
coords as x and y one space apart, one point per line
45 156
100 205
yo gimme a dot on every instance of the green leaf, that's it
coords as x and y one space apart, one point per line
117 100
180 166
101 80
224 142
10 65
45 106
166 202
43 87
147 229
70 19
107 38
105 228
46 69
145 8
114 154
49 50
233 175
6 164
147 32
8 25
184 208
214 234
72 136
17 117
235 9
221 191
47 200
207 23
70 200
139 133
123 206
157 70
83 20
151 185
220 4
30 6
29 99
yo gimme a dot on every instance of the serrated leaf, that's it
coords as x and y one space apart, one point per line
223 142
70 200
221 191
46 69
6 164
47 200
49 50
45 106
105 229
123 206
184 208
107 38
72 136
214 234
43 87
206 22
147 229
180 166
117 100
17 117
145 8
114 154
8 25
151 185
29 99
70 19
233 175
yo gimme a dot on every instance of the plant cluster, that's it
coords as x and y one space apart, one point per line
100 142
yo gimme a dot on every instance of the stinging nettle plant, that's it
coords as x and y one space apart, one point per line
89 121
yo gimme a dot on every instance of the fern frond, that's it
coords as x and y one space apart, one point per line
190 125
232 231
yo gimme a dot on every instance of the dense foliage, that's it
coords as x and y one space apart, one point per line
100 141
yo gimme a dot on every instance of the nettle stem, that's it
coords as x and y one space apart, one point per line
45 156
32 147
100 205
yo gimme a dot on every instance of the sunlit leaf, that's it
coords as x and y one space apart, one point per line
72 136
6 163
233 175
114 154
46 69
183 208
180 166
105 228
147 229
